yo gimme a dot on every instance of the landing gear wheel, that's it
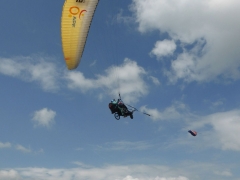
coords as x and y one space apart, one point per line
131 116
117 116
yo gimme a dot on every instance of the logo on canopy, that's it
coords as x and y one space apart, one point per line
74 10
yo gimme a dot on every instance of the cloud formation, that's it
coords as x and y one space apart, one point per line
207 32
183 171
44 117
163 48
224 127
31 69
5 145
19 147
127 78
9 174
23 149
125 146
175 111
155 80
218 130
110 172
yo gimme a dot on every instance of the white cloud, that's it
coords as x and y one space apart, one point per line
5 145
224 127
130 178
217 103
175 111
209 26
226 173
127 78
218 130
44 117
155 80
19 147
31 69
9 175
183 69
110 172
172 178
82 165
157 178
78 81
23 149
163 48
155 113
182 171
126 146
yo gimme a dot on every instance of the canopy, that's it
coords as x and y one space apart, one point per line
75 23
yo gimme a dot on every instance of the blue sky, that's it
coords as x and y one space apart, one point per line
176 60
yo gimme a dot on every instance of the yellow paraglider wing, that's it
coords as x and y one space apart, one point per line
76 19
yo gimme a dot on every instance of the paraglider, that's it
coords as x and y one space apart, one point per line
76 19
193 133
75 23
118 108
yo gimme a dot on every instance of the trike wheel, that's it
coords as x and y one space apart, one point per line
117 116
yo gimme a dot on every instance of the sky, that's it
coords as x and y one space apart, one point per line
177 60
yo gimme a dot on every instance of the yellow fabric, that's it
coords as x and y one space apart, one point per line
76 19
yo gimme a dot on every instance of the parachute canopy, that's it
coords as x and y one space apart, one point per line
193 133
75 23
